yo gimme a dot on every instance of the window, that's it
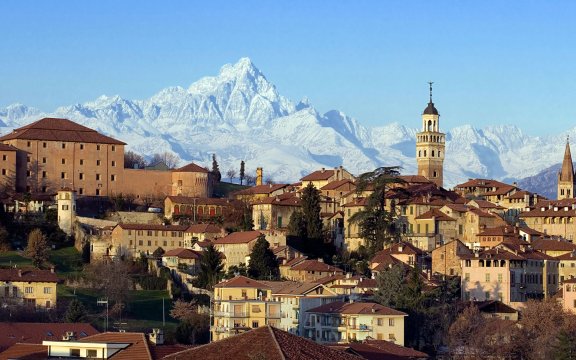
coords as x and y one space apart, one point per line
81 161
63 161
97 162
47 290
487 295
28 143
28 173
467 276
63 145
255 324
28 158
390 322
256 309
4 157
98 147
81 191
380 322
3 171
140 242
487 277
64 207
91 353
81 176
112 177
28 290
81 146
113 148
243 293
97 177
44 174
149 243
44 145
63 175
97 191
43 160
75 352
113 163
499 278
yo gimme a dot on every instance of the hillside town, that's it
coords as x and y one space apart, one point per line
107 255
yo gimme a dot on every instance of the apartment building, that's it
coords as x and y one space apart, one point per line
343 322
241 304
34 288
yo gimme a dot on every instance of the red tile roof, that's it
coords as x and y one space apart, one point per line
35 333
553 245
319 175
239 237
29 275
138 348
286 199
158 227
25 352
482 183
263 343
341 307
333 185
191 168
53 129
435 214
4 147
240 282
315 265
183 253
382 349
414 179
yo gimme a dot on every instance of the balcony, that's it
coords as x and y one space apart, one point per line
274 315
228 314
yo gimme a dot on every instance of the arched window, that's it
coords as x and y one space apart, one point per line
439 153
429 125
432 153
424 152
419 153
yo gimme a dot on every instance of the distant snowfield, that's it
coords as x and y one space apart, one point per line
239 115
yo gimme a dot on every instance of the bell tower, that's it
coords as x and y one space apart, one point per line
430 144
566 175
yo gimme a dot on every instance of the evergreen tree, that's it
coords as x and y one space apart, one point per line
75 312
263 264
242 174
216 169
37 248
311 212
237 270
376 222
247 220
297 225
390 283
211 268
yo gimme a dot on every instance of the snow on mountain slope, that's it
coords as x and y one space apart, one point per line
240 115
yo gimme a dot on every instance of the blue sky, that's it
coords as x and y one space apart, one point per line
493 62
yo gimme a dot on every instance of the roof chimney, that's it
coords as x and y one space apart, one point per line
322 171
19 272
259 174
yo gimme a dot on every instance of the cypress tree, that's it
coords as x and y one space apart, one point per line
263 264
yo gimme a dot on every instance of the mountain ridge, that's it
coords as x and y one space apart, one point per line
239 115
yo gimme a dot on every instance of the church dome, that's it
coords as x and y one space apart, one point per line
430 109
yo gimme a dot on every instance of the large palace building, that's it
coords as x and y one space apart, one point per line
430 144
51 154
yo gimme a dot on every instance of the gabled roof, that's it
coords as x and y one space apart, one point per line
319 175
415 179
4 147
241 282
341 307
265 342
286 199
239 237
25 352
54 129
435 214
158 227
480 213
35 333
315 265
494 306
458 207
183 253
138 348
553 245
382 349
192 168
28 275
333 185
482 183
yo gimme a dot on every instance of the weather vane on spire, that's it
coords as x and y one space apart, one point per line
430 83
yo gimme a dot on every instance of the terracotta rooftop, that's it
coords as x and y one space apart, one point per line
54 129
158 227
494 306
319 175
414 179
481 183
138 348
381 349
239 237
435 214
241 282
480 213
553 245
263 343
28 275
291 287
4 147
458 207
25 352
286 199
484 204
341 307
333 185
192 168
34 333
315 265
183 253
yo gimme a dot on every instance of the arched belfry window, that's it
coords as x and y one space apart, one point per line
429 125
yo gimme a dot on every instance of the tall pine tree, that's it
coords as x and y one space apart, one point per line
242 174
311 212
263 264
211 268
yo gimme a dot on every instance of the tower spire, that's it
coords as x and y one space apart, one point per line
430 83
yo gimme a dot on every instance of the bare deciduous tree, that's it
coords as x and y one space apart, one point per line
133 160
231 174
167 158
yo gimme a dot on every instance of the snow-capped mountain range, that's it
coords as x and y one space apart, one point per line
240 115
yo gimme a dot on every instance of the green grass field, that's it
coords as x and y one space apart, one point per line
11 258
